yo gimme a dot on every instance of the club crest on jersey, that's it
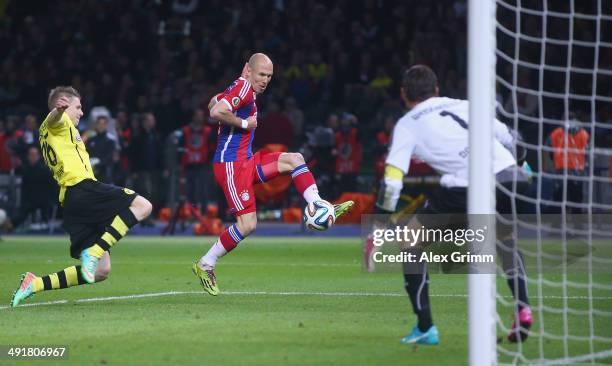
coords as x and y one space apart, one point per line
244 195
78 137
235 101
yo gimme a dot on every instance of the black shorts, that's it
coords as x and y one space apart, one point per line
89 207
447 207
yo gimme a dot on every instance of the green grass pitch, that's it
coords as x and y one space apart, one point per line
284 301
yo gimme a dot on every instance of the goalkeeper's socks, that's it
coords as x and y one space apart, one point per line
518 286
228 240
417 286
424 320
118 228
516 276
305 183
67 277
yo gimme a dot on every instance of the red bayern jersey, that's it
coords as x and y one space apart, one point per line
234 143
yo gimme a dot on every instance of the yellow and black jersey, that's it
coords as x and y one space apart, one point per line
64 153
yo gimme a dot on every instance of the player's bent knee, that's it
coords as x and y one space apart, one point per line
292 159
148 208
297 159
142 208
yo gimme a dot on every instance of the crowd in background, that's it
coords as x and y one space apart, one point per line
146 70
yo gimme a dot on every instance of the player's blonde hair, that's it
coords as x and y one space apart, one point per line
61 91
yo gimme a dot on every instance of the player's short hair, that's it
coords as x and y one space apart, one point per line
419 83
61 91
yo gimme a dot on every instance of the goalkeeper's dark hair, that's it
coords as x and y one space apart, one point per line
61 91
419 83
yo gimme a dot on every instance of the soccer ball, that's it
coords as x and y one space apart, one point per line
319 215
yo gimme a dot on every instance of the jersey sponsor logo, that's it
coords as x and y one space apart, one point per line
128 191
244 195
235 101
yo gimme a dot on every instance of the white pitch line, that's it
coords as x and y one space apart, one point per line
268 293
38 304
249 264
170 293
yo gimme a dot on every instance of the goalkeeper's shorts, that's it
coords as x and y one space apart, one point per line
447 206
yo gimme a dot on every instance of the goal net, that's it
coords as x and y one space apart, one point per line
554 85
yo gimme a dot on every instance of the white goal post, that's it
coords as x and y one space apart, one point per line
481 197
545 68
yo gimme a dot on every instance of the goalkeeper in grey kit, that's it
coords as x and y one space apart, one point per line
435 130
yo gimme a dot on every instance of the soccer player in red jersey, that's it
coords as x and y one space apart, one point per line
237 169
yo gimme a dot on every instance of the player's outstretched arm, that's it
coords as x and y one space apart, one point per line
400 152
55 115
222 113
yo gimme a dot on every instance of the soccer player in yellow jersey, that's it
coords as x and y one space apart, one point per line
96 215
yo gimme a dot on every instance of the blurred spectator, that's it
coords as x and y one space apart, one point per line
569 144
185 7
526 103
197 141
603 130
348 154
89 123
381 79
6 157
122 147
296 117
25 137
121 124
30 131
37 189
383 139
101 149
146 157
118 172
317 69
172 169
167 111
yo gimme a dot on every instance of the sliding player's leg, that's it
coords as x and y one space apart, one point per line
303 179
139 209
97 215
68 277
